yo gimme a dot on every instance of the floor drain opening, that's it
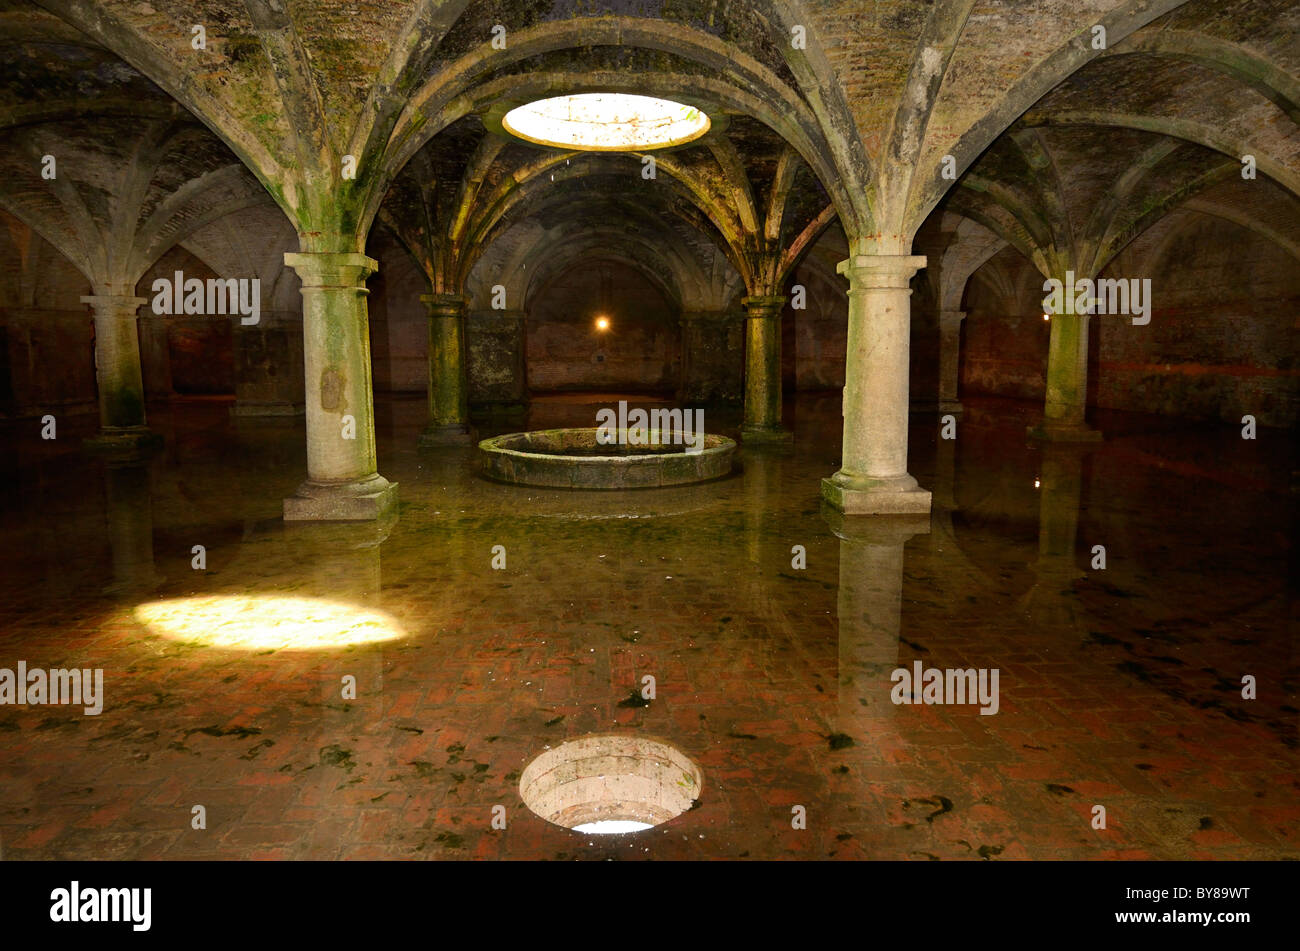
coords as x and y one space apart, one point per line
610 784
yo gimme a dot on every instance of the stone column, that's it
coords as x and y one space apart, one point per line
1067 382
949 359
122 425
873 478
448 377
763 371
343 483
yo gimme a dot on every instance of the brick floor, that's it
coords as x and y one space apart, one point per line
1118 688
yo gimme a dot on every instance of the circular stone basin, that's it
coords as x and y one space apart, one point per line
608 778
573 459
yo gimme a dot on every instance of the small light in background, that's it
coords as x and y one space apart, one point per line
1037 484
602 323
1047 317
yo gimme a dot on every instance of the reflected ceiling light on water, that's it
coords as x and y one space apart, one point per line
606 122
611 784
612 827
258 622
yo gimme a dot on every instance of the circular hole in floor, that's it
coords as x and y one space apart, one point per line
610 784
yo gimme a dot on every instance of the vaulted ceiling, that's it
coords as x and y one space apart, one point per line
1065 126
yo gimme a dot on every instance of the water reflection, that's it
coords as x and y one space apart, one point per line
869 607
129 513
1051 599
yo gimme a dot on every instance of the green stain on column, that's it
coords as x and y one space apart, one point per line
448 383
1067 369
124 407
336 355
117 361
763 362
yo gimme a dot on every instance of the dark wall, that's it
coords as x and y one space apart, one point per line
640 352
1004 336
1222 339
1221 342
47 363
816 337
200 349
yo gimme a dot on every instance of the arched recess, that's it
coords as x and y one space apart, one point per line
960 248
636 348
817 341
675 251
1004 338
46 356
1221 343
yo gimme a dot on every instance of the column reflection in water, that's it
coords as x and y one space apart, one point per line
129 512
869 607
762 472
341 562
1051 599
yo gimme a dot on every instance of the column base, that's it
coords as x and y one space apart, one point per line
874 531
255 408
457 434
362 501
766 436
1050 432
134 442
854 495
148 581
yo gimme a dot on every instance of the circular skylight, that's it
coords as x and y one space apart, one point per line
606 122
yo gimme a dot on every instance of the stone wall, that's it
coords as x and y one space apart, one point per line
494 341
817 334
1221 342
199 357
639 352
399 322
1004 337
47 360
713 357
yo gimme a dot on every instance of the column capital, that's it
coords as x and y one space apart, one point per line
115 305
444 305
331 269
880 270
758 307
949 317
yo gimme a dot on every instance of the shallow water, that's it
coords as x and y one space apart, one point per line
1118 687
